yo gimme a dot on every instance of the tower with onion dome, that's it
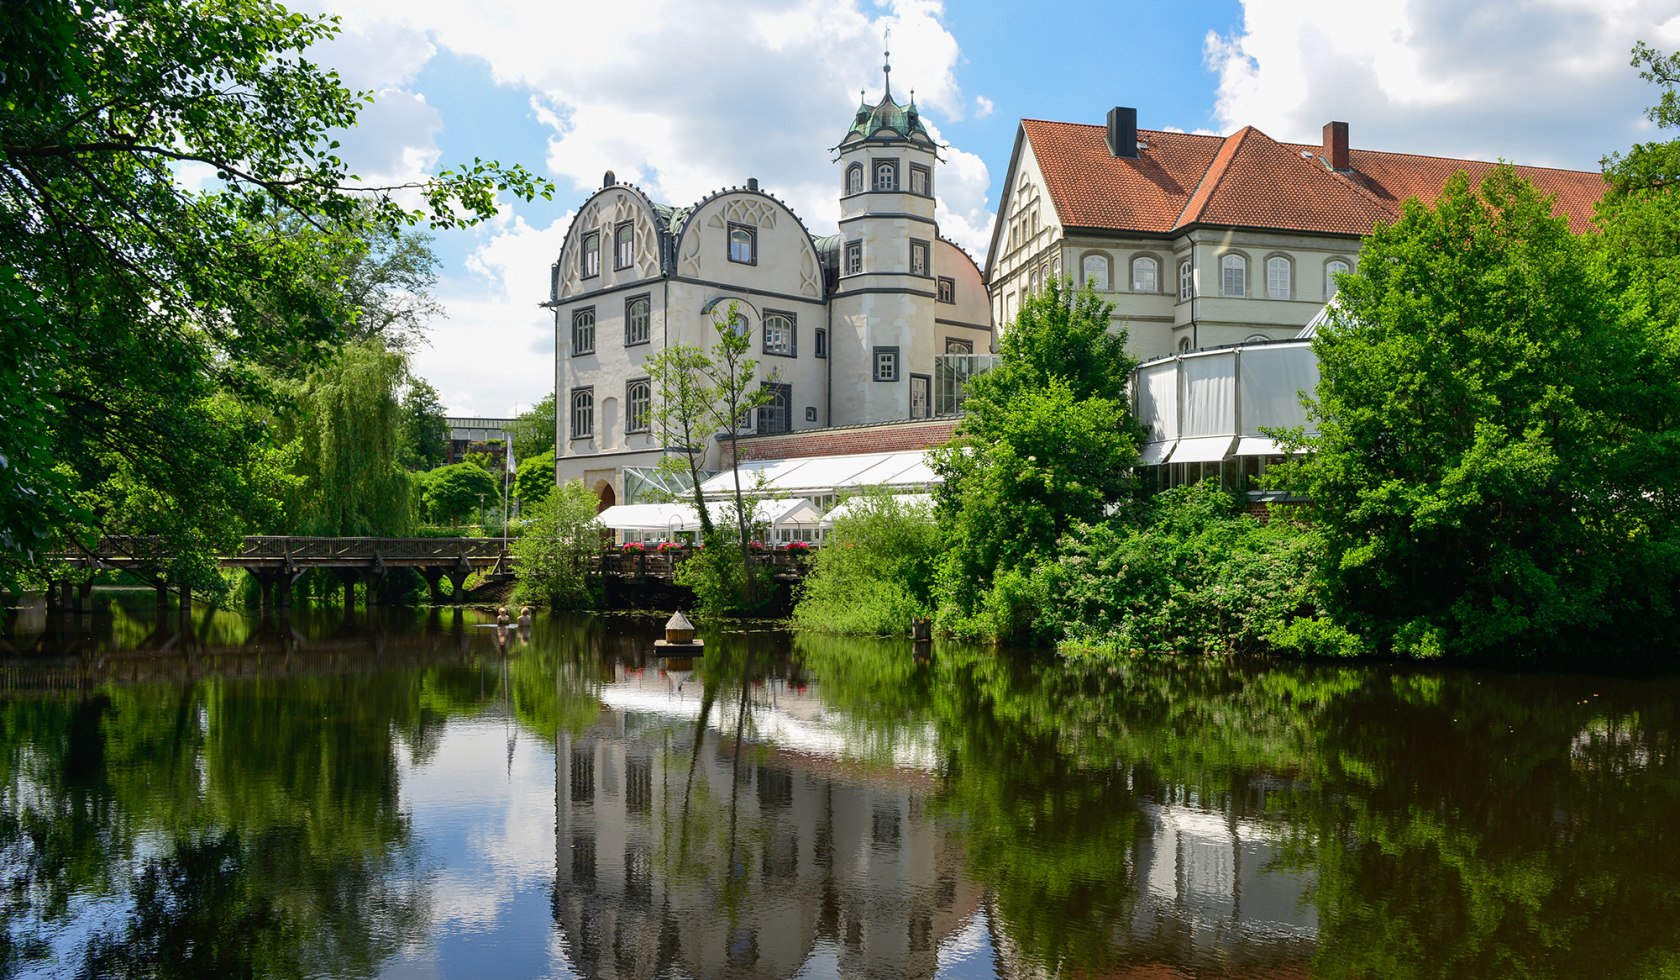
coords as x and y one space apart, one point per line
884 301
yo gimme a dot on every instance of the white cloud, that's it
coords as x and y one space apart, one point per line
680 97
983 107
1544 82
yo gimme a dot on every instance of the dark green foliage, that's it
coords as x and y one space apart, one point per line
533 431
423 438
535 479
1497 453
552 555
724 580
1197 575
1047 442
874 573
143 300
459 491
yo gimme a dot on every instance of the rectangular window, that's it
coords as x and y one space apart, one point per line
776 415
822 342
638 397
921 181
918 258
854 258
886 175
638 317
583 413
624 245
591 257
743 244
779 334
947 289
583 331
886 364
810 413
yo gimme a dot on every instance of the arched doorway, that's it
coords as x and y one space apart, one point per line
604 491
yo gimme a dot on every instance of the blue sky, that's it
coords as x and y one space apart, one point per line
684 96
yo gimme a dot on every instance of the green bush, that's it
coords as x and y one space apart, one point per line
715 573
875 571
1198 575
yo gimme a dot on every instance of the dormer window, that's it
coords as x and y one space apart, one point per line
886 175
589 261
743 244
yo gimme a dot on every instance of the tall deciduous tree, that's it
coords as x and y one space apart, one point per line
1047 440
682 415
143 297
1495 471
533 431
552 556
424 428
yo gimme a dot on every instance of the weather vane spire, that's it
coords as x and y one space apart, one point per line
886 67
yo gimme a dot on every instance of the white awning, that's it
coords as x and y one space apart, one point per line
1259 446
1156 453
1207 449
650 517
914 502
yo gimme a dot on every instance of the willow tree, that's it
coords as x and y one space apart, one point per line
346 435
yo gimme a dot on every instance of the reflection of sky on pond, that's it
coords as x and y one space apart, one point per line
485 826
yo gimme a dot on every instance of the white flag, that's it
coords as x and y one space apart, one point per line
512 467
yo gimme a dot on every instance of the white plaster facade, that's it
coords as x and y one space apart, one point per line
848 325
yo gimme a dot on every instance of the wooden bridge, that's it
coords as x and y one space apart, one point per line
276 562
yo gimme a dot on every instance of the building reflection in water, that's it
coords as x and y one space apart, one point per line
745 836
734 839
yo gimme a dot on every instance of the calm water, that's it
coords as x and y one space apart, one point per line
399 797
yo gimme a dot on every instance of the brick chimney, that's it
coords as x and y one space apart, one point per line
1336 146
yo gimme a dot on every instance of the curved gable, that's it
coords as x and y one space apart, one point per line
783 256
608 209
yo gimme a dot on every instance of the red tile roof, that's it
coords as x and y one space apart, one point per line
1250 180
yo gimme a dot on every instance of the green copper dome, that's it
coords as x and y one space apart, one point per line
889 119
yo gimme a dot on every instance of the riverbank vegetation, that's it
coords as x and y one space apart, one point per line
1494 471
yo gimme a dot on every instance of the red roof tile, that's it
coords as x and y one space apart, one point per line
1249 180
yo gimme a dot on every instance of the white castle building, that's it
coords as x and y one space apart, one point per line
848 329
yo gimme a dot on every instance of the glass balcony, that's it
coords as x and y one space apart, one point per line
950 376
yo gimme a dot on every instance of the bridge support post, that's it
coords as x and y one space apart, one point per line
458 579
434 583
84 599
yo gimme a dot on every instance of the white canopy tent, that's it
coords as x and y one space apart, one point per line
642 522
822 478
914 502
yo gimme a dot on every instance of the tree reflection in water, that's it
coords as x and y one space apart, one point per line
841 806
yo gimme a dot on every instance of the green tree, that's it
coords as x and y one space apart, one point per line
347 428
732 377
1047 441
1495 459
142 298
552 556
533 430
681 414
423 428
458 491
535 480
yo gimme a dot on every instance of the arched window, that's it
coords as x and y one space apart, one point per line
1279 283
1032 281
590 258
1332 269
1095 270
1184 345
638 395
1233 275
743 241
778 334
1146 275
583 413
637 317
1186 280
624 246
854 179
1256 338
583 331
739 325
886 175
